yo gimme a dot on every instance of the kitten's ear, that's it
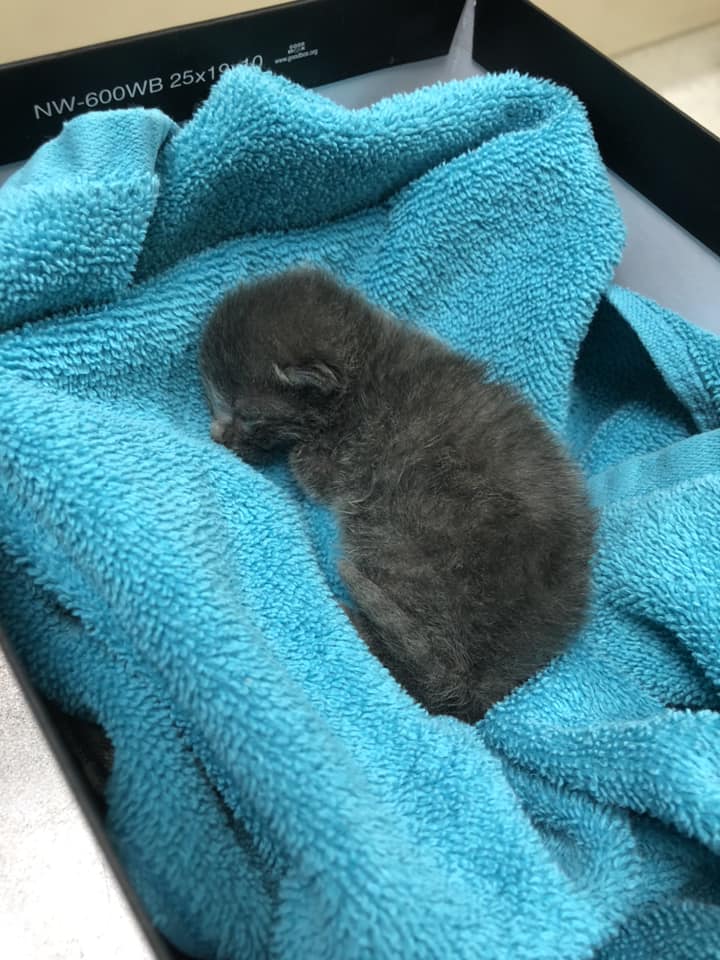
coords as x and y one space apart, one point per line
316 375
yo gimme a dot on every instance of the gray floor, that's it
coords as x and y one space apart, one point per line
58 898
685 69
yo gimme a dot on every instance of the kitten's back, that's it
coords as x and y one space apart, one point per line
461 504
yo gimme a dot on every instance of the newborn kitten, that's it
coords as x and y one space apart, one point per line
466 532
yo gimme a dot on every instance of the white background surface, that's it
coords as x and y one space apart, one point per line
58 898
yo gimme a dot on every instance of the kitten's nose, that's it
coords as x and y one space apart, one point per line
217 430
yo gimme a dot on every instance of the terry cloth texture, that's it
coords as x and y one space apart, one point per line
275 793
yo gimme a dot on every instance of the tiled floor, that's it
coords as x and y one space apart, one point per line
685 70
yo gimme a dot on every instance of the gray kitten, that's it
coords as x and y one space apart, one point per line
466 532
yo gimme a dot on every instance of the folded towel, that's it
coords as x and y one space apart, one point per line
274 792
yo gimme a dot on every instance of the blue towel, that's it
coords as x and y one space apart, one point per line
275 793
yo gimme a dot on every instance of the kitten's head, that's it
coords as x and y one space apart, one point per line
275 360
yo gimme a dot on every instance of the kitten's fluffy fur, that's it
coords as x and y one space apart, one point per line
466 532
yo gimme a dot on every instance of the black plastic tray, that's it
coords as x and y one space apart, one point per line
667 156
312 42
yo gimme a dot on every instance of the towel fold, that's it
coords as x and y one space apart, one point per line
274 792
